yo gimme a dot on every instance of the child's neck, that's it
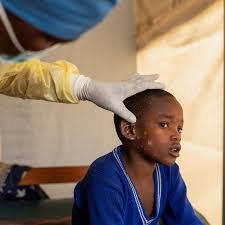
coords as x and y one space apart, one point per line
135 165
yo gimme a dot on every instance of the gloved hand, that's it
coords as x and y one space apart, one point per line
110 95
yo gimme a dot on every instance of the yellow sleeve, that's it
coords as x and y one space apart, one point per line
35 79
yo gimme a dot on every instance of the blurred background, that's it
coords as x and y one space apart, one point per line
182 40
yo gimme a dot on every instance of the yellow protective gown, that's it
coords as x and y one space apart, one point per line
35 79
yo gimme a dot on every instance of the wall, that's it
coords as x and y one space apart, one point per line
45 134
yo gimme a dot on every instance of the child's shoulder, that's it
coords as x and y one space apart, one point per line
104 166
103 162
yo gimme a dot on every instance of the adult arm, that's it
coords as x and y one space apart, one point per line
35 79
61 82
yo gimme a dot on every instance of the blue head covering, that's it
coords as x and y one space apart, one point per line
65 19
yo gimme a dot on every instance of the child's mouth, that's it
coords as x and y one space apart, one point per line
174 150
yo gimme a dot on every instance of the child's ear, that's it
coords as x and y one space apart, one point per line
127 129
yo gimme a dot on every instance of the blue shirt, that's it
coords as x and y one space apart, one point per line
107 196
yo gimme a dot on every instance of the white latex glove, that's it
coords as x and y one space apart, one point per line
110 95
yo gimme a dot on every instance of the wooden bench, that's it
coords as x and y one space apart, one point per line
51 175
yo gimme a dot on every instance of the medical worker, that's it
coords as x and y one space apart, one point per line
30 29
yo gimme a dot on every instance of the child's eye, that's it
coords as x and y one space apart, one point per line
164 125
180 129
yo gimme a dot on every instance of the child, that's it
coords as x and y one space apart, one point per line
138 182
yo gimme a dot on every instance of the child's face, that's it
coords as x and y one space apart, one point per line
158 134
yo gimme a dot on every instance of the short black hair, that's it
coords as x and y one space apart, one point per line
139 103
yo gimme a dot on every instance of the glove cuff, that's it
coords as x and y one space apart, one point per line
80 87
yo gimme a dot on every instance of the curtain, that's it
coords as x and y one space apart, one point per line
189 58
153 18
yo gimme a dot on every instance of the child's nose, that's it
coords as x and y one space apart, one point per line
176 136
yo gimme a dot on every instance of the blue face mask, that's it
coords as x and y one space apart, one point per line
24 54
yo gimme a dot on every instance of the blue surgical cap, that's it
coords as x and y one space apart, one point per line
65 19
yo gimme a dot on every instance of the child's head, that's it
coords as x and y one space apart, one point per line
156 134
